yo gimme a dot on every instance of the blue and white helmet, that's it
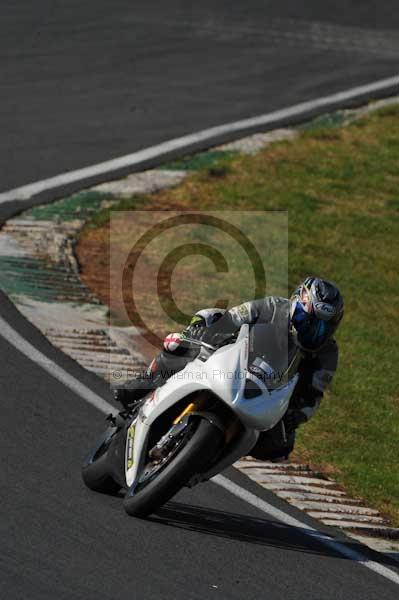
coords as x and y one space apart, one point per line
317 308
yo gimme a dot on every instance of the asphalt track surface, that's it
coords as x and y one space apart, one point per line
83 82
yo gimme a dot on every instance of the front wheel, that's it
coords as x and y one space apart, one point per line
95 469
201 441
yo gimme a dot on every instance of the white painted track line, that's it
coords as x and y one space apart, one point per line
20 343
13 337
78 388
136 158
280 515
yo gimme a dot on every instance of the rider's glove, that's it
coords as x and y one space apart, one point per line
215 334
196 333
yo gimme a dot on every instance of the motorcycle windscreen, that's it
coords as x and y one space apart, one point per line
273 355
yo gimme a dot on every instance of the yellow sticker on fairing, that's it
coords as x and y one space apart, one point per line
130 445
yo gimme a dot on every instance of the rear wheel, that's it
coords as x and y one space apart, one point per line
161 481
95 469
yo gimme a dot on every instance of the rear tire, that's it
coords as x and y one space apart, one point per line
192 458
95 469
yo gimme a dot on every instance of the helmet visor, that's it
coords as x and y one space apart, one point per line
312 331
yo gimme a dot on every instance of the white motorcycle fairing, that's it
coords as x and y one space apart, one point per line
225 374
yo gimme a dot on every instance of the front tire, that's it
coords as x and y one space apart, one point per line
146 497
95 469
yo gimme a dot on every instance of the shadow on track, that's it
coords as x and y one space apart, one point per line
254 531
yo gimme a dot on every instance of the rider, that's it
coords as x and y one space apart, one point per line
308 321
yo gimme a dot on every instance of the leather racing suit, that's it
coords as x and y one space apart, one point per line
272 316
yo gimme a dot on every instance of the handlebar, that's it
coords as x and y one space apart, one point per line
225 338
200 343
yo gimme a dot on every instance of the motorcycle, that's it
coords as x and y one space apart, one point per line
198 423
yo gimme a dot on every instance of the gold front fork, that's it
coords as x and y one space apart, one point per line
188 409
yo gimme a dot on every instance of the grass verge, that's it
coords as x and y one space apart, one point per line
340 187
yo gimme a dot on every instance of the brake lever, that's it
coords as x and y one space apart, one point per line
200 343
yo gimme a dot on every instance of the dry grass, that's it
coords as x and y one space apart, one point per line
341 188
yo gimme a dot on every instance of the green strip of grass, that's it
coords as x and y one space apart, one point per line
77 206
341 188
198 162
